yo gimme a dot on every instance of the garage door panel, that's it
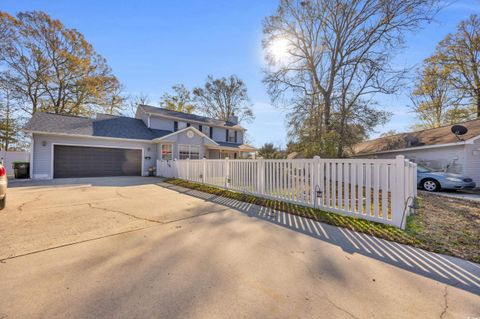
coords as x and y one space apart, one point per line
81 161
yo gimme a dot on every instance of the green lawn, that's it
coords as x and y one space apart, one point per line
419 233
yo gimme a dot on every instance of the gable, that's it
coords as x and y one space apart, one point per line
189 135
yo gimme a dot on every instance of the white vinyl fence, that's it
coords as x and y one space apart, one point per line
380 190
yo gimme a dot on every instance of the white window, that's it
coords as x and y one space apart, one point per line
182 125
166 151
231 136
188 151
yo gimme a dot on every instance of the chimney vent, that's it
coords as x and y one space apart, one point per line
233 119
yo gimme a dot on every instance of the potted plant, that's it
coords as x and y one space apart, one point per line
21 169
151 171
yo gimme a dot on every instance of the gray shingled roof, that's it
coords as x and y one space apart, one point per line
103 126
433 136
188 117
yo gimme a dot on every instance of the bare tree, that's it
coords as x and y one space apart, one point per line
460 54
25 69
435 100
223 97
181 100
52 67
9 122
133 102
334 56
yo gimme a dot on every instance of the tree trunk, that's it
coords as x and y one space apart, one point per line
478 106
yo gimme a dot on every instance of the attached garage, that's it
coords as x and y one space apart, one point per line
86 161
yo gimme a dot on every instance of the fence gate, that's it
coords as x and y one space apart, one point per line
166 169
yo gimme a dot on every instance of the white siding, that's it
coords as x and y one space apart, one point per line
219 134
472 155
161 124
240 137
42 155
461 159
449 159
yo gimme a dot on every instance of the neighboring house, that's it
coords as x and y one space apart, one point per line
437 148
73 146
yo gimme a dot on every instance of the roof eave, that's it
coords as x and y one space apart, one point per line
236 126
88 136
416 148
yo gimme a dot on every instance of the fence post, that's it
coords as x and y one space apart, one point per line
399 194
204 169
314 180
261 176
188 169
227 172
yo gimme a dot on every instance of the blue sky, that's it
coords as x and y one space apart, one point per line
152 45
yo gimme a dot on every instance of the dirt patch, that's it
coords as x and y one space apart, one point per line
448 225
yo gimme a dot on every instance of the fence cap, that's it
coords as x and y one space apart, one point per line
316 157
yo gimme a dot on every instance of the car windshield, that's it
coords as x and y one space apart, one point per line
423 169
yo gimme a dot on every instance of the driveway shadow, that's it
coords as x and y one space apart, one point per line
116 181
445 269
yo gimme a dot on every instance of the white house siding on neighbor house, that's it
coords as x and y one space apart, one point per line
43 165
454 159
472 156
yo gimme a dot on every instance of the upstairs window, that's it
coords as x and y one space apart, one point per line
175 126
231 136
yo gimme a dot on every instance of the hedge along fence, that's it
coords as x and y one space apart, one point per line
380 190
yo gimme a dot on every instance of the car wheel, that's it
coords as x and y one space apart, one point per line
430 185
3 202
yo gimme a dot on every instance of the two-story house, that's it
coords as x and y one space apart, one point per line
74 146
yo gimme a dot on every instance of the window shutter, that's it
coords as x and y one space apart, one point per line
200 128
226 135
211 132
236 136
188 124
175 126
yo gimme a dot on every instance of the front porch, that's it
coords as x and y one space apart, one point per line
221 153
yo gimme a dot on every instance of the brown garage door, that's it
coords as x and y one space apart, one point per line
80 161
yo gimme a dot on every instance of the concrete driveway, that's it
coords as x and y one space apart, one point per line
138 248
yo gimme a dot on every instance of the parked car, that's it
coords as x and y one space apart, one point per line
3 186
432 181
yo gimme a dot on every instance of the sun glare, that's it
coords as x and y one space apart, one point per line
279 50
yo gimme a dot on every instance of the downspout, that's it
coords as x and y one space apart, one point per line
32 148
